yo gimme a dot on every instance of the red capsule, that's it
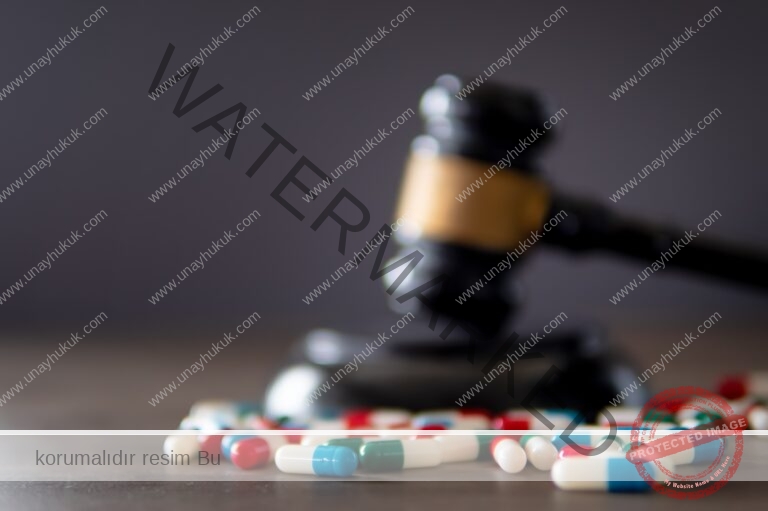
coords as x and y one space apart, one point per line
358 419
507 422
210 443
250 453
733 387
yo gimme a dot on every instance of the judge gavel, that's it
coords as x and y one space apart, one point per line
472 194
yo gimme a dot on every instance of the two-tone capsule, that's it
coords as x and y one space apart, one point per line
395 455
524 420
611 473
320 460
452 419
379 418
741 385
255 452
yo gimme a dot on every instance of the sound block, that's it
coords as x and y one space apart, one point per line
415 370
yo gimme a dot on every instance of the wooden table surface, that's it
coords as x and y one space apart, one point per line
106 384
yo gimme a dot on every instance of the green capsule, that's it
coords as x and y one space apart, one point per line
382 456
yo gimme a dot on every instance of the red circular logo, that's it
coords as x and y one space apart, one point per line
687 463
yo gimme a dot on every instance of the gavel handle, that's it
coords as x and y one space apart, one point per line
590 227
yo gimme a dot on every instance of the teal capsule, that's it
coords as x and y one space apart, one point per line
395 455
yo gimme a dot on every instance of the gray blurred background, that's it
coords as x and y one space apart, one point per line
269 64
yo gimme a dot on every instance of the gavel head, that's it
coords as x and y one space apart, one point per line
471 195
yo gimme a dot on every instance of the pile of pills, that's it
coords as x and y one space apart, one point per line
348 454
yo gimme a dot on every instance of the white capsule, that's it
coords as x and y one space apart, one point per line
397 436
509 456
458 448
383 418
327 424
421 453
222 412
758 418
471 422
182 444
540 452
